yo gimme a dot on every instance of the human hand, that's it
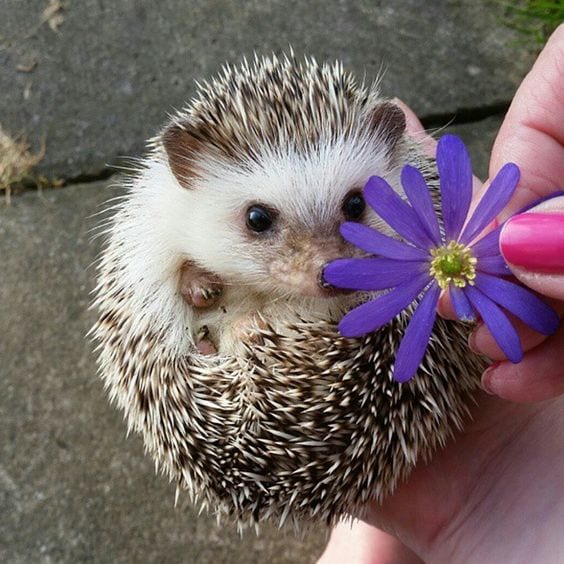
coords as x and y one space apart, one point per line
483 498
532 135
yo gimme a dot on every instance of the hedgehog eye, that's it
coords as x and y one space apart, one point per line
354 205
259 219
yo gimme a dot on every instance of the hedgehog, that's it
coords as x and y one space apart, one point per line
216 333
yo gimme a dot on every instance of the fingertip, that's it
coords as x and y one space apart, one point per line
549 285
413 125
532 243
537 378
481 341
489 381
445 308
512 382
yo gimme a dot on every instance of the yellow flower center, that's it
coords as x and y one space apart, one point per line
453 264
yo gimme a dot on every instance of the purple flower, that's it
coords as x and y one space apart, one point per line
432 258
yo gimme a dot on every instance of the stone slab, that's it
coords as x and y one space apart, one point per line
72 488
107 79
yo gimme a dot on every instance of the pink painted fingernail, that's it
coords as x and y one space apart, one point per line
535 241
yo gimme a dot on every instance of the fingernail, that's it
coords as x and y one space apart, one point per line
472 342
487 377
535 241
473 345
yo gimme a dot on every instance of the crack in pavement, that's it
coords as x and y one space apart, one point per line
465 115
430 122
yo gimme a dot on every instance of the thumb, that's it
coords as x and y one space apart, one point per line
532 244
532 133
416 130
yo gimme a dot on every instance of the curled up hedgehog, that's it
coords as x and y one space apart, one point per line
217 333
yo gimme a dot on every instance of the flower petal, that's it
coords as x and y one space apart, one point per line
497 322
488 245
416 337
462 307
493 265
519 301
455 173
373 314
494 200
371 273
372 241
417 191
395 212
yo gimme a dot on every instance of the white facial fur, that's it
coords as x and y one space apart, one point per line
307 189
162 223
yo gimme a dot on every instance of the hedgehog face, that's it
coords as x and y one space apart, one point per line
272 224
289 421
272 160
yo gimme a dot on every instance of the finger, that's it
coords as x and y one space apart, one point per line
445 308
540 376
359 542
413 125
482 342
532 243
416 130
551 285
532 135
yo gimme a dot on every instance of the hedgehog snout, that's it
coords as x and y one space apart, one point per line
301 267
328 289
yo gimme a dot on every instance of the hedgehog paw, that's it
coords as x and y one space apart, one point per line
204 343
199 288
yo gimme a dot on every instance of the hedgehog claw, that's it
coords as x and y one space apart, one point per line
198 287
204 344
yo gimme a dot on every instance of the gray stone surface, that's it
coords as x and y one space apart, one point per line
107 79
72 488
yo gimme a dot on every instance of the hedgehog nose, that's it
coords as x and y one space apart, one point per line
326 287
321 279
323 283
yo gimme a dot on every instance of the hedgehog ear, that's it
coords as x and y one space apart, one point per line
182 148
389 122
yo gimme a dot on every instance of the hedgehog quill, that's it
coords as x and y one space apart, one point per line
217 333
